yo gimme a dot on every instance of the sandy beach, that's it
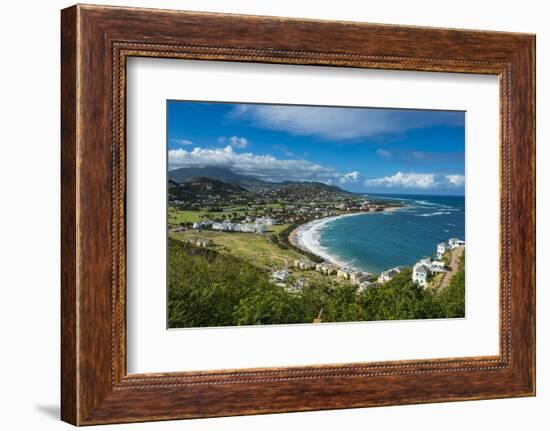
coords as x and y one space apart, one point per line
306 236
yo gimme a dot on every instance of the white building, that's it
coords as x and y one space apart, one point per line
261 228
251 227
437 266
455 242
266 220
202 224
325 268
442 248
388 275
343 273
420 274
304 264
426 261
225 226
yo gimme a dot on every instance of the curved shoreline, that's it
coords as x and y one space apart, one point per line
306 236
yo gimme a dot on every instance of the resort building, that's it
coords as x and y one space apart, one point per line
251 227
202 225
227 226
266 221
455 242
442 248
388 275
420 274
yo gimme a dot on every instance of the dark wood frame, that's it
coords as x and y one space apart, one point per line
95 43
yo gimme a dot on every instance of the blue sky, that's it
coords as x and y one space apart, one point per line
358 149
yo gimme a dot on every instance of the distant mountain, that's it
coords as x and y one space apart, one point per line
195 187
312 186
218 173
223 174
213 184
249 183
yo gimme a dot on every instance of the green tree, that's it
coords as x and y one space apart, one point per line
452 299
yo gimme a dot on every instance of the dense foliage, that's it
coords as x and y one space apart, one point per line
207 288
452 299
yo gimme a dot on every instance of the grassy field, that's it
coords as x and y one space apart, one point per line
176 216
252 247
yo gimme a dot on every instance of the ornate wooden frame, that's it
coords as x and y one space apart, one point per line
95 42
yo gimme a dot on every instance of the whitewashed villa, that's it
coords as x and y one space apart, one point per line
386 276
455 242
442 248
426 266
356 277
437 266
420 274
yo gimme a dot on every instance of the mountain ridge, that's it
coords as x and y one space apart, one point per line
250 183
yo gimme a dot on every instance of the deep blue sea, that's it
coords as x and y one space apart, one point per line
375 242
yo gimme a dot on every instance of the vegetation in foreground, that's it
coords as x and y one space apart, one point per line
209 288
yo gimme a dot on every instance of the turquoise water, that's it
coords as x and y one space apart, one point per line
378 241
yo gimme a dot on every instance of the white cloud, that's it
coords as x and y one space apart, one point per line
181 141
266 167
411 180
383 153
455 180
234 141
339 123
350 177
415 180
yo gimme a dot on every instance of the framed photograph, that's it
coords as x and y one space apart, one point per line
267 215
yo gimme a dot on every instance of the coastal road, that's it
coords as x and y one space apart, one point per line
448 275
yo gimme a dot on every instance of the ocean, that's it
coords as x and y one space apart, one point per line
375 242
